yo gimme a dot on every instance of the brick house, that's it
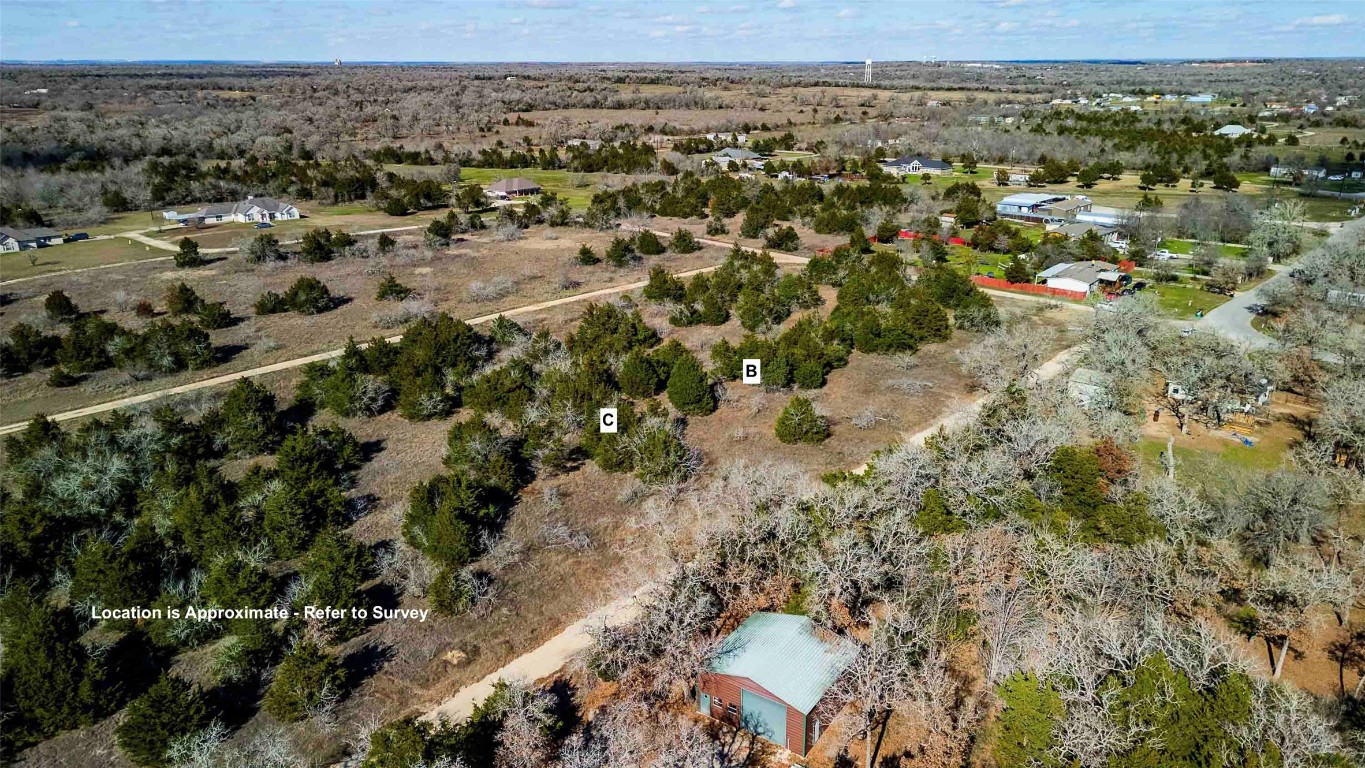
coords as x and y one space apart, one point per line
771 675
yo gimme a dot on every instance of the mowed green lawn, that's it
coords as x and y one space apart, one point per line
559 182
1186 247
78 255
1183 299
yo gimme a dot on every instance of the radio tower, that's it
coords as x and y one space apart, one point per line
867 72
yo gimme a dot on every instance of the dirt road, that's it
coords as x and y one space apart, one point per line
298 362
548 658
163 245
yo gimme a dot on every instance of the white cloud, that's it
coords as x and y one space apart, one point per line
550 3
671 18
786 3
73 23
1006 26
1321 21
1010 3
848 13
517 20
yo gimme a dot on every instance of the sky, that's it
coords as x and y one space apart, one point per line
672 31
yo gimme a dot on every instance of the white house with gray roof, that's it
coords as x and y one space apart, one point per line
251 210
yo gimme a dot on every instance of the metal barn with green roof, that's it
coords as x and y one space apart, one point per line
770 675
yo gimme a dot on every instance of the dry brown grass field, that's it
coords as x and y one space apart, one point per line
536 268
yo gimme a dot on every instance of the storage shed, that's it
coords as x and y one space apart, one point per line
770 675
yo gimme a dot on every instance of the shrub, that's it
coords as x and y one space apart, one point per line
444 517
683 241
248 422
144 309
270 303
308 679
166 347
783 239
586 256
182 300
396 206
170 709
308 296
392 290
85 347
689 388
334 569
492 289
188 255
60 378
648 244
214 315
28 349
799 423
262 248
385 243
659 454
316 246
716 226
639 377
60 308
621 253
663 286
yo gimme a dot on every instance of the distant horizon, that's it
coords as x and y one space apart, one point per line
676 31
735 62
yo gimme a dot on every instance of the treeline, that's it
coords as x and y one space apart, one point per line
182 180
721 197
92 343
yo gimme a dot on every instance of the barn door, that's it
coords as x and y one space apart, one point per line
765 717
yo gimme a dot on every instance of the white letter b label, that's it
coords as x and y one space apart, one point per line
752 371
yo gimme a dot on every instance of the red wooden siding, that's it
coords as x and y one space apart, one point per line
727 688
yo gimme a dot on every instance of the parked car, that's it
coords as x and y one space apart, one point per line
1257 309
1140 285
75 237
264 225
1187 330
1337 177
1164 254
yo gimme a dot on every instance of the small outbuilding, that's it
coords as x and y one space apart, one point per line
770 676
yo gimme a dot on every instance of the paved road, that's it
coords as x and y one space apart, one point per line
1232 319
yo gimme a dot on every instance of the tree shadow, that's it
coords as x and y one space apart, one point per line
226 352
365 662
568 716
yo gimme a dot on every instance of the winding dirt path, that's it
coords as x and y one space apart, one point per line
550 657
298 362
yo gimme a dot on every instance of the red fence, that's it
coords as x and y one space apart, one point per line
1041 290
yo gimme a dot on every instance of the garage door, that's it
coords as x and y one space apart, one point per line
765 717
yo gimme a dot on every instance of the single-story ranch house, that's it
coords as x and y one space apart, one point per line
251 210
1233 131
915 165
1082 276
12 239
1042 206
1110 236
513 187
740 157
770 675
